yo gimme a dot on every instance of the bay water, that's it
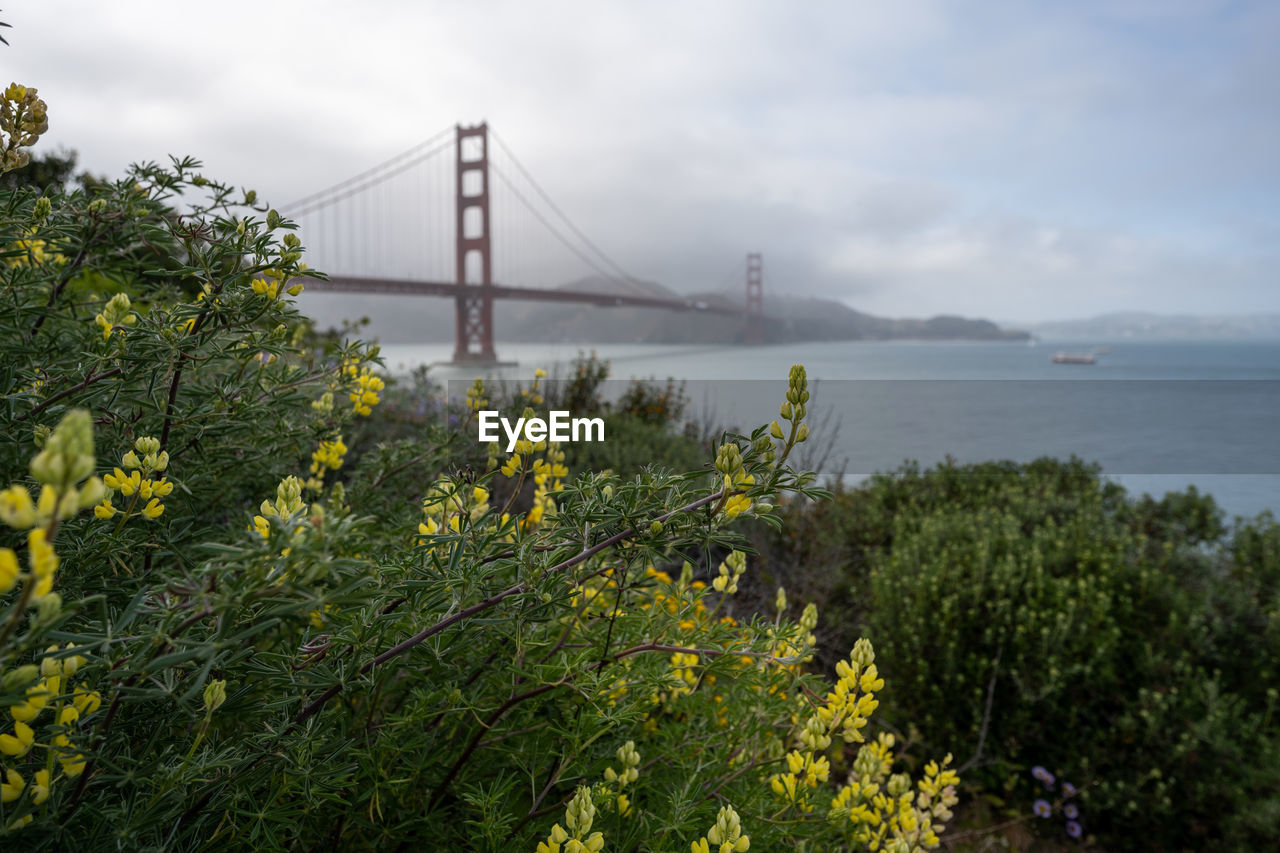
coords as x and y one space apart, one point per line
1157 416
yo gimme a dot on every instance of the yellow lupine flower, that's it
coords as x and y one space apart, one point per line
47 503
153 509
37 697
116 313
44 561
87 702
8 569
16 508
69 757
40 787
19 743
12 787
265 288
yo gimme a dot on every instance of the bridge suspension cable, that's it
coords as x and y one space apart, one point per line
371 177
620 272
510 185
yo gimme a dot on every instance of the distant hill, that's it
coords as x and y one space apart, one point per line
1146 326
400 319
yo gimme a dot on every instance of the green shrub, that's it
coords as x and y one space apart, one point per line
219 626
1035 615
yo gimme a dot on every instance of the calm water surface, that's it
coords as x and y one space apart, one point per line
1157 416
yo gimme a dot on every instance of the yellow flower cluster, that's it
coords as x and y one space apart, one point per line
629 758
365 395
272 282
793 408
730 573
548 476
736 478
880 811
684 673
533 394
116 315
579 838
64 462
269 284
287 507
446 505
33 252
23 118
548 471
139 485
475 396
329 456
845 710
69 705
725 836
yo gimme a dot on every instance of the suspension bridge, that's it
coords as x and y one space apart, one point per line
388 230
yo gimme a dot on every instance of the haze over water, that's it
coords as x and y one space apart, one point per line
1157 416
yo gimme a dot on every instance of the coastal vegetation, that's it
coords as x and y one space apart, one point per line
235 612
255 594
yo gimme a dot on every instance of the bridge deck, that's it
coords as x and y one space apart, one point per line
406 287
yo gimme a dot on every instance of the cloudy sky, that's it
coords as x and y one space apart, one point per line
1016 160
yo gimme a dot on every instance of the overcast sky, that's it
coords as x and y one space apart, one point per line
1015 160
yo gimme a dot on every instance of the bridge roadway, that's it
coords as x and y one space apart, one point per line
407 287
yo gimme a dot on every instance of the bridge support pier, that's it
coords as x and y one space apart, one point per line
755 299
473 325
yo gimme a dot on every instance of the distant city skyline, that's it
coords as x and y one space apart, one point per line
1018 161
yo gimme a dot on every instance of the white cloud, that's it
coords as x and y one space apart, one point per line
915 157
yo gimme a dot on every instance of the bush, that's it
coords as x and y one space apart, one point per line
1035 615
218 626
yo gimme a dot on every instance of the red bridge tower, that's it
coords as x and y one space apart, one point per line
474 319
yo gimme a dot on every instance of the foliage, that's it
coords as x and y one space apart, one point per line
219 625
53 169
1036 615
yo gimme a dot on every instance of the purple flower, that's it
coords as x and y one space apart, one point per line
1074 829
1043 775
1070 811
1069 789
1042 808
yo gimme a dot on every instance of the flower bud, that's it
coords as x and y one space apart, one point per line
67 456
50 608
775 430
92 492
19 678
655 527
49 665
215 693
42 209
16 508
